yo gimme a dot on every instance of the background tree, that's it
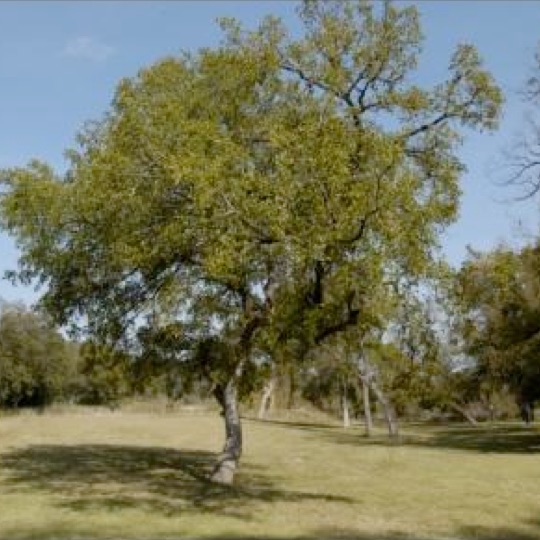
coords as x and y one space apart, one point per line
106 375
500 291
328 382
35 364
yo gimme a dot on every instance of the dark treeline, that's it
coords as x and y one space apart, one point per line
39 366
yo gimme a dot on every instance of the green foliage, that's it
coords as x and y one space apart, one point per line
106 375
500 295
35 364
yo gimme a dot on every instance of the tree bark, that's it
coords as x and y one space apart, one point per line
266 399
228 460
367 409
227 395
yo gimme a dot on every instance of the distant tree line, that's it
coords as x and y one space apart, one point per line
417 376
40 366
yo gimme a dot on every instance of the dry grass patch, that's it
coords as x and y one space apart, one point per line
135 476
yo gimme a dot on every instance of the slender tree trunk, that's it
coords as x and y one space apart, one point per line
367 409
266 399
368 377
388 409
228 460
461 410
292 388
345 406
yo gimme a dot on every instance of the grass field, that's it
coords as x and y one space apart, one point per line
135 475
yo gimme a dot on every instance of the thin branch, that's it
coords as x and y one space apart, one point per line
427 126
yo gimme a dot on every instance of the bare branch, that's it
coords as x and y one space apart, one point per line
427 126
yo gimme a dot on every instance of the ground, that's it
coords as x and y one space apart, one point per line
126 475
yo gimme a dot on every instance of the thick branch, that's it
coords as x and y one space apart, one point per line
350 320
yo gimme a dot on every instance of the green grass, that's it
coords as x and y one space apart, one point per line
135 475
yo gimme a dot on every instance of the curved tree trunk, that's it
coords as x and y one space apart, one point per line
228 460
227 395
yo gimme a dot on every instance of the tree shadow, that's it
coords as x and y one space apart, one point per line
507 439
311 426
490 533
497 438
339 533
155 479
335 534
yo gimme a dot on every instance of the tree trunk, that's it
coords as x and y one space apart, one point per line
388 409
345 407
292 388
367 409
266 399
228 460
227 395
469 417
367 375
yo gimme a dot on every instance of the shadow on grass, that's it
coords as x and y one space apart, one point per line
487 533
153 479
318 534
497 438
350 534
294 424
503 439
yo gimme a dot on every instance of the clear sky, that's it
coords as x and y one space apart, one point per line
60 62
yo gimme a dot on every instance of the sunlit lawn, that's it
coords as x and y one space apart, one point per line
128 475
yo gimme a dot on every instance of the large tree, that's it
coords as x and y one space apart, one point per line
261 191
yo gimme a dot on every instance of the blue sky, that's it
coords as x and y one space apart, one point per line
60 62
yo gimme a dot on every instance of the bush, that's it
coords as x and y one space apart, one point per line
35 366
